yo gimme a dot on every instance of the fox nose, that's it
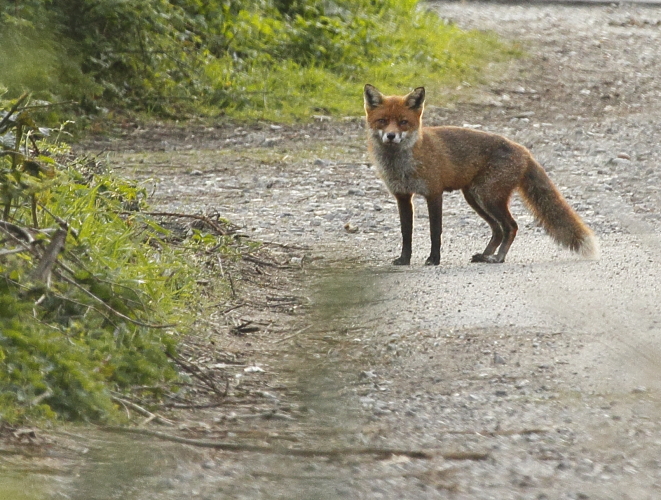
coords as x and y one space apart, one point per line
391 136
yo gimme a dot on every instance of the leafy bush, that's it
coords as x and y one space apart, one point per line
274 59
96 318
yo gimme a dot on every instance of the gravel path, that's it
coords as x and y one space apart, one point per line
543 371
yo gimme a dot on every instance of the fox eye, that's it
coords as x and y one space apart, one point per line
382 121
403 122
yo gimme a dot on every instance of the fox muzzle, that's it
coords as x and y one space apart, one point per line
391 137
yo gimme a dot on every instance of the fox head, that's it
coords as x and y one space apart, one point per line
394 120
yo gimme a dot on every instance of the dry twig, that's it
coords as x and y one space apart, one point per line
261 262
207 220
302 452
16 232
13 110
43 270
298 332
150 416
198 374
110 308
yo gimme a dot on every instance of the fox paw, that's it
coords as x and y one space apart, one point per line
489 259
432 261
401 261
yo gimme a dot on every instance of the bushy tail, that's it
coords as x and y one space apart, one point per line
554 214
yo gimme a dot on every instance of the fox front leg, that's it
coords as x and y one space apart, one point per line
405 207
435 207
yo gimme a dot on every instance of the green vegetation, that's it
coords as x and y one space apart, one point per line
272 59
93 292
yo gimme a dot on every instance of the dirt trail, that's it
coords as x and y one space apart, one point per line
543 372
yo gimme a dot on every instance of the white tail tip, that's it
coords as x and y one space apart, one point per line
589 248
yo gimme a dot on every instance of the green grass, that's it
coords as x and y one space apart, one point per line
278 60
418 51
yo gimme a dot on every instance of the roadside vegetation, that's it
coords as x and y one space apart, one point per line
95 290
279 60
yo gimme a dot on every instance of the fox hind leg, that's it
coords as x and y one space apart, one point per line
500 211
497 233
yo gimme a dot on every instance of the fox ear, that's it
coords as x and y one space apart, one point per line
373 98
415 99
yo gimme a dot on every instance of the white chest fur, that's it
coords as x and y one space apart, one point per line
397 168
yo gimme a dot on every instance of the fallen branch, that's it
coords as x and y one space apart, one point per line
16 231
111 309
261 262
198 374
298 332
229 309
288 246
267 415
112 284
301 452
10 252
146 413
504 432
181 406
45 395
207 220
48 105
43 270
513 432
14 108
244 328
50 259
229 277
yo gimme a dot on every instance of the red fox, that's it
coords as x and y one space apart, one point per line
412 159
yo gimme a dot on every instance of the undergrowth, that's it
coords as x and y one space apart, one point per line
269 59
317 64
94 292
